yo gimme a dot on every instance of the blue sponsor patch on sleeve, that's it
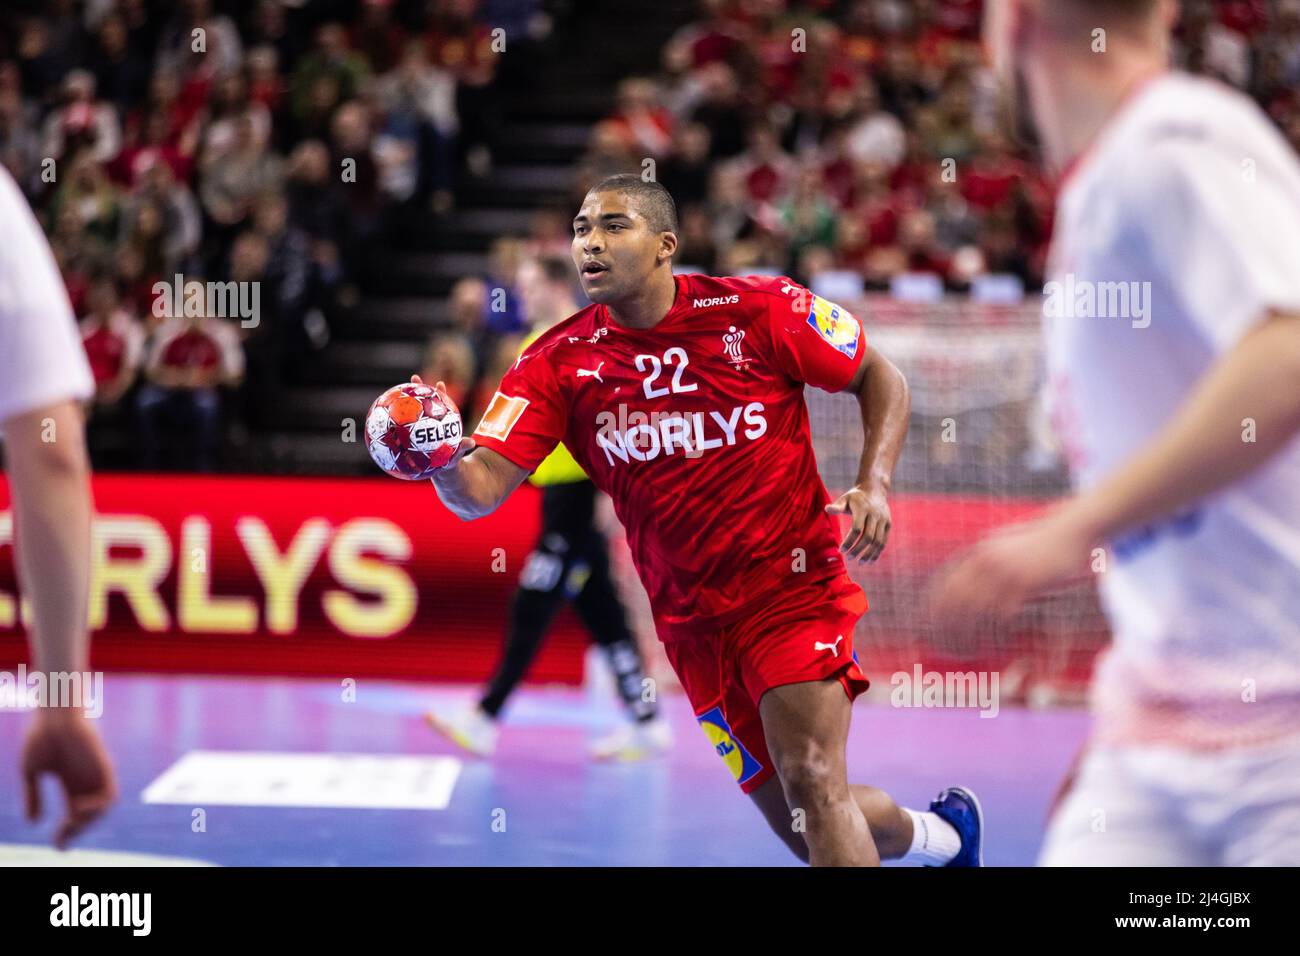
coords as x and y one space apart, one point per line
837 327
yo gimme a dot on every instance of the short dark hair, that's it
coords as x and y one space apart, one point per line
653 201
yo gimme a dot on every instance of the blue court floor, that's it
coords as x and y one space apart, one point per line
540 801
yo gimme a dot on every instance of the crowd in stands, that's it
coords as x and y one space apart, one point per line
272 144
868 141
815 138
855 139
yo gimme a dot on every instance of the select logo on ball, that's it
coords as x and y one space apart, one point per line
412 431
425 434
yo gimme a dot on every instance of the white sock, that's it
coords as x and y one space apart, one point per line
934 840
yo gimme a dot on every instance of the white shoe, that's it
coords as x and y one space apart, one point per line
470 729
634 741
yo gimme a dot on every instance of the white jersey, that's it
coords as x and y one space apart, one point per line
42 361
1176 233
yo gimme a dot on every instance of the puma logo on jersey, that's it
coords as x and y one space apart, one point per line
592 373
716 300
833 648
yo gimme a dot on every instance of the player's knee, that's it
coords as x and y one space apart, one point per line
808 778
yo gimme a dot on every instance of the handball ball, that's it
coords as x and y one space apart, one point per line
412 431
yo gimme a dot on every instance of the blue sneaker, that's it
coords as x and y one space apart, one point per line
960 807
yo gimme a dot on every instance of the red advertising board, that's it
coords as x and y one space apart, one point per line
310 576
374 577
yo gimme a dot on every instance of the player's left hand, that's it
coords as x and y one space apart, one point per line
994 578
871 522
65 744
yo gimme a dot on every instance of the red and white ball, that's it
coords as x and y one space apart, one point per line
412 431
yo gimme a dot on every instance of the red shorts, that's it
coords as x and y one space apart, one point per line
805 635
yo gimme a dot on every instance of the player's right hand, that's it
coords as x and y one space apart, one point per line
466 445
64 743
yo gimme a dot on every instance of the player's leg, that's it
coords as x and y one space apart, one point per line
900 833
807 725
770 800
601 609
805 647
532 608
537 597
542 588
1117 812
1246 802
590 585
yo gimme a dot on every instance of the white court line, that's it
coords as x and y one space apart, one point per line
262 779
22 854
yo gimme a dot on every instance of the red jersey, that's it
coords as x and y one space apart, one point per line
698 431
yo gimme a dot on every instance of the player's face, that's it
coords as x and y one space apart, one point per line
614 247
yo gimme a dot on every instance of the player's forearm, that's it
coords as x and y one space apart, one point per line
52 517
886 406
1251 393
469 490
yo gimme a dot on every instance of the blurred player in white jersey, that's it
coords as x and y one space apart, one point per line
1172 321
43 375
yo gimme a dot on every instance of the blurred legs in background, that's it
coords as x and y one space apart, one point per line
570 563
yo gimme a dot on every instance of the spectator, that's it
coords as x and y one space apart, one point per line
765 168
695 239
686 172
154 144
449 358
420 101
379 39
265 85
121 77
645 128
216 51
233 173
876 136
550 232
181 109
806 217
504 313
114 343
177 209
462 45
190 358
332 62
81 120
314 206
87 194
607 154
20 146
721 110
